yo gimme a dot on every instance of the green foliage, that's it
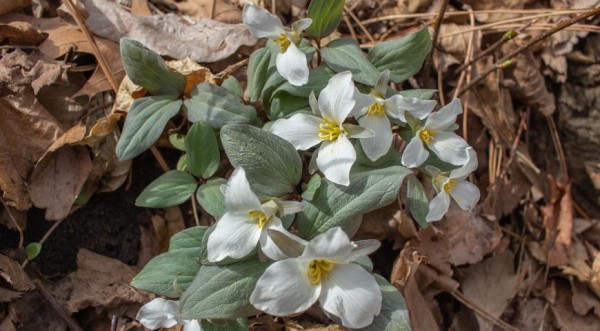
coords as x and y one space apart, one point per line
211 198
333 205
202 150
418 204
394 314
423 94
170 189
170 273
272 165
258 71
148 70
234 87
145 122
222 292
344 55
32 250
283 105
178 141
326 16
217 106
403 56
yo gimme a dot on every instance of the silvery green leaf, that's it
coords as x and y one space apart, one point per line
272 165
147 69
317 80
203 155
418 204
403 56
170 189
222 292
423 94
311 187
217 106
234 87
258 72
344 54
326 16
145 121
211 198
283 105
170 273
178 141
394 314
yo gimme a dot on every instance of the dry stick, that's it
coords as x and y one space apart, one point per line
195 210
17 226
558 146
231 69
509 35
106 69
62 313
469 57
436 34
359 23
479 311
350 27
507 59
213 6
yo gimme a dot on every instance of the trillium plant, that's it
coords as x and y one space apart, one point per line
283 169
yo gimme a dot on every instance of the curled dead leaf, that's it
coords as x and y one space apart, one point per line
14 275
20 33
585 273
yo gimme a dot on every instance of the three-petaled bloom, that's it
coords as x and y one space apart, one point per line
291 62
437 134
336 154
453 185
372 111
323 272
161 313
246 222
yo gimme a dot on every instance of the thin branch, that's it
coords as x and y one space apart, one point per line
231 69
507 59
359 23
479 311
436 34
195 210
62 313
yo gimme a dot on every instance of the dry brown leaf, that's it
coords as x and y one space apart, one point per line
58 179
494 4
470 237
530 314
583 300
99 282
7 295
421 316
20 33
405 7
14 275
99 82
585 273
6 6
167 34
223 11
140 8
506 193
565 316
166 226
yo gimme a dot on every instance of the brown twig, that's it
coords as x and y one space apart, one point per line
231 69
195 210
558 147
62 313
479 311
436 34
507 59
350 27
359 23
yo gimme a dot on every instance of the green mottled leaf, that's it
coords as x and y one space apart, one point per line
418 204
344 54
258 72
203 155
394 314
217 106
211 198
170 189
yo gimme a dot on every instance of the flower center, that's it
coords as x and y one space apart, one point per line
329 130
376 109
318 269
283 41
260 217
449 185
426 135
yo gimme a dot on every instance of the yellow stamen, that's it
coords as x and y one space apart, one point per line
318 269
427 135
449 186
376 109
260 217
283 41
329 130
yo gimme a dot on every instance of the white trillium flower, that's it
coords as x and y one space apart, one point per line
325 273
291 61
161 313
453 185
336 155
246 222
372 111
437 135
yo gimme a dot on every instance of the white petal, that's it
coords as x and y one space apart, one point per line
336 100
301 25
158 313
438 207
262 23
238 195
192 325
364 248
355 131
414 153
363 101
314 104
465 194
235 236
377 146
467 168
285 289
290 207
292 65
445 117
335 160
300 130
380 89
449 147
352 294
334 244
397 105
267 245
